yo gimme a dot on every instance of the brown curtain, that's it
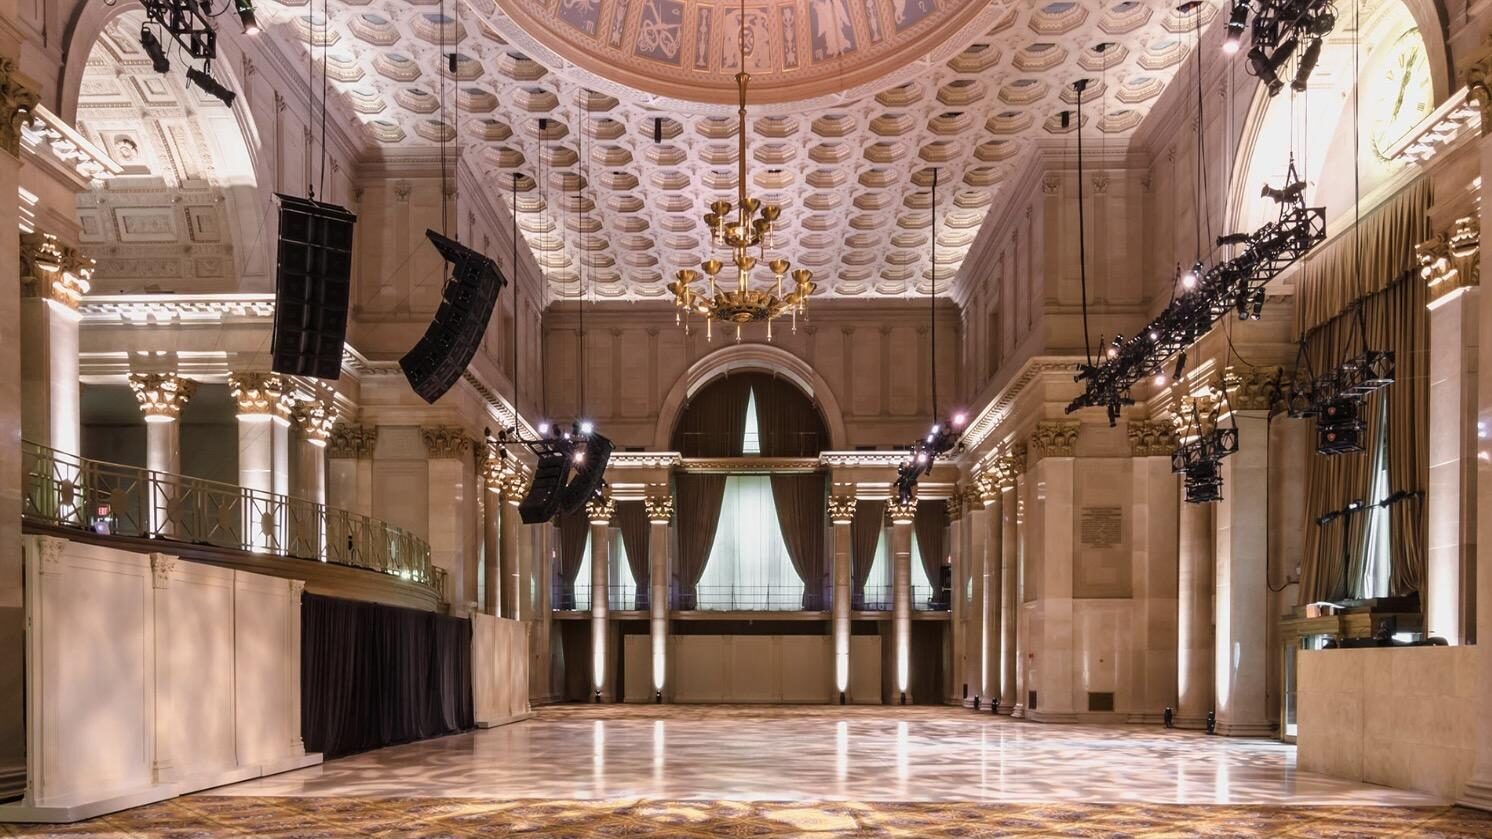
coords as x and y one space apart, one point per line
865 533
698 499
1334 276
931 525
712 423
1395 319
800 502
632 517
573 530
787 419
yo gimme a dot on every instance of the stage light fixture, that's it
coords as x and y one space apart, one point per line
246 16
1237 22
210 86
153 49
1307 64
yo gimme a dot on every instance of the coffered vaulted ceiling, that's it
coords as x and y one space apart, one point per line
859 100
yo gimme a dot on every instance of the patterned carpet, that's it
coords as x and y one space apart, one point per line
198 816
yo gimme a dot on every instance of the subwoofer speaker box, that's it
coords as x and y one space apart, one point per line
312 283
441 356
543 499
590 471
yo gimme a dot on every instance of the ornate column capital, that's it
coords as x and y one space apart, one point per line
900 513
600 510
987 488
50 548
296 588
18 98
513 486
260 394
1250 388
1151 438
162 566
1450 260
1054 438
161 395
316 419
841 509
659 508
351 440
956 503
54 271
1478 80
446 441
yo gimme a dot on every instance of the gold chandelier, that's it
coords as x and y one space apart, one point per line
747 225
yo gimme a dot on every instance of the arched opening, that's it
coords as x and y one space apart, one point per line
186 214
782 420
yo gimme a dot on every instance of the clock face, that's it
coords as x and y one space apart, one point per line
1403 92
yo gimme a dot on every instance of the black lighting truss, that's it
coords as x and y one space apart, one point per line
1281 29
1337 398
1236 285
186 21
1199 459
942 439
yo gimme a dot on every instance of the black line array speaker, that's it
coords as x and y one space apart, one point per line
590 471
441 356
312 284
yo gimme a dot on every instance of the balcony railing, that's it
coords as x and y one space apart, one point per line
620 598
750 599
114 499
877 598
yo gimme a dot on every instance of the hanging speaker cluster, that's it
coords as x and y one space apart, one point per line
442 355
312 284
570 471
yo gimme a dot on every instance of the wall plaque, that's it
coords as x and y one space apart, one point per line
1101 526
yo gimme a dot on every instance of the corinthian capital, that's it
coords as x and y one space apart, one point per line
18 98
841 509
260 394
161 395
659 508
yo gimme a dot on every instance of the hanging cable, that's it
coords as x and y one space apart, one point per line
932 301
1079 86
440 79
1204 207
326 23
513 268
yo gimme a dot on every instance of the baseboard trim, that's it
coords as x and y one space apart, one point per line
1245 729
502 721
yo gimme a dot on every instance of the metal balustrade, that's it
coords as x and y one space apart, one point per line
115 499
874 598
750 599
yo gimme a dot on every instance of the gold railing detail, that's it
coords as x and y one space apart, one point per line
115 499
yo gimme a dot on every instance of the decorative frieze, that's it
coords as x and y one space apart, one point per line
1451 259
1054 438
260 394
161 395
316 419
351 440
1251 388
660 508
841 509
18 100
52 270
900 513
600 510
446 441
1151 438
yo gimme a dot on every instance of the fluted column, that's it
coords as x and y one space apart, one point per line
263 402
452 506
841 516
1194 642
600 512
161 397
510 569
902 516
660 512
974 629
994 587
957 613
54 278
1010 598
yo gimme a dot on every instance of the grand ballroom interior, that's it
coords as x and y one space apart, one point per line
770 418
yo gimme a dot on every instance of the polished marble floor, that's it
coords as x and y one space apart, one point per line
692 753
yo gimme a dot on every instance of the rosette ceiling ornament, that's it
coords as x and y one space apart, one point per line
745 231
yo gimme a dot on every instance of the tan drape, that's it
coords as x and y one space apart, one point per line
698 499
573 530
1396 320
800 501
712 423
788 421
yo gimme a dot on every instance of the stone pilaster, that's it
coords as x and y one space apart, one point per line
453 510
902 516
349 452
54 278
659 508
841 516
600 511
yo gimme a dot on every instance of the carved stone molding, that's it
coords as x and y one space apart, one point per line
446 441
956 503
49 269
1451 259
1054 438
1477 77
841 509
297 588
660 508
987 487
316 419
513 485
18 99
260 394
900 513
600 510
1151 438
162 566
50 550
161 395
1251 388
351 440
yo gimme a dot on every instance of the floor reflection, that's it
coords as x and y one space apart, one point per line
854 754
